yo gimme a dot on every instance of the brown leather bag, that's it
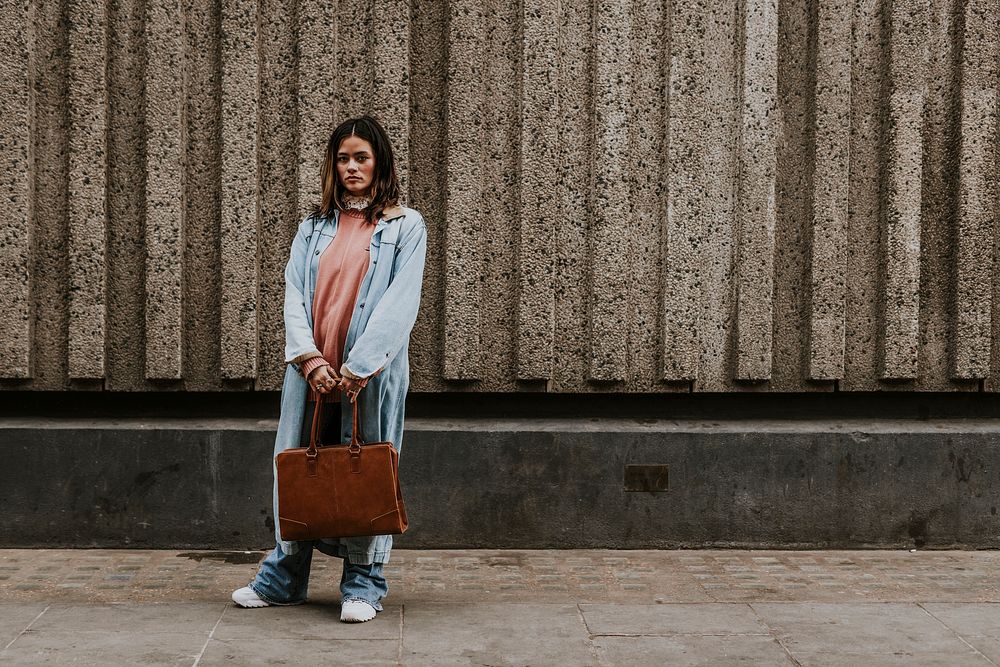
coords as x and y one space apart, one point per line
340 490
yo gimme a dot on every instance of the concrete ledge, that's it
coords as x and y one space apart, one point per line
523 483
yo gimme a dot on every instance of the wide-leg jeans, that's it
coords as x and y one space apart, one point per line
283 579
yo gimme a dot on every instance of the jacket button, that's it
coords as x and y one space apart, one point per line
317 252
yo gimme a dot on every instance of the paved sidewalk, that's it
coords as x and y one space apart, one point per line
508 608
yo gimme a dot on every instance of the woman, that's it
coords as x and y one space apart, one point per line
352 290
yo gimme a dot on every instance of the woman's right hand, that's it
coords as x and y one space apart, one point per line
323 380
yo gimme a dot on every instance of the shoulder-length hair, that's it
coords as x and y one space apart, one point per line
384 189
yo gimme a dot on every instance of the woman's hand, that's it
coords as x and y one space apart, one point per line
351 384
322 380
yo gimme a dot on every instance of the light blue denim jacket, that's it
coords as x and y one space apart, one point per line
377 338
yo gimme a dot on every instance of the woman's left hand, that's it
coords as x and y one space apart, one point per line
351 384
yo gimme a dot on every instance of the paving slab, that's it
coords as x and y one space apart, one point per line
306 621
496 634
849 633
250 653
918 659
970 619
672 619
976 623
14 618
103 648
194 618
988 646
692 650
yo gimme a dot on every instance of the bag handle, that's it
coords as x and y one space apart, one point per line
355 445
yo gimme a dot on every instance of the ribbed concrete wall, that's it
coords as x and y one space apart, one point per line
621 196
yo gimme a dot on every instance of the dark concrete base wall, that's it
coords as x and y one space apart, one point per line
523 483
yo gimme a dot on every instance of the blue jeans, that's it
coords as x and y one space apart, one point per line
284 578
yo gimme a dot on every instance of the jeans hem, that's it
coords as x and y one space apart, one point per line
274 602
377 606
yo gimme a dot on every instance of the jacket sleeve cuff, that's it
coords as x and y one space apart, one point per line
312 363
347 373
305 355
296 362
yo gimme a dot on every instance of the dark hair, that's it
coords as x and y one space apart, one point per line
385 183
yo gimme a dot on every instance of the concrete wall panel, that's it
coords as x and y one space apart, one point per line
202 267
611 226
88 110
538 154
977 211
621 195
686 209
166 201
47 233
500 177
465 210
938 255
391 83
429 172
316 103
719 177
16 127
239 216
830 191
279 126
645 171
126 167
900 241
756 221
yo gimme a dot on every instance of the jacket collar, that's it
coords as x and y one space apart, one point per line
392 212
387 216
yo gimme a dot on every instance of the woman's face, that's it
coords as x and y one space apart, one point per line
355 165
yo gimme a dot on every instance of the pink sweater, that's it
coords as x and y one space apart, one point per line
342 267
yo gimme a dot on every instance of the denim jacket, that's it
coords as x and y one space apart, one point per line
377 340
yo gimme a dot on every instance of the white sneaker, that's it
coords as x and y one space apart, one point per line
356 611
245 597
